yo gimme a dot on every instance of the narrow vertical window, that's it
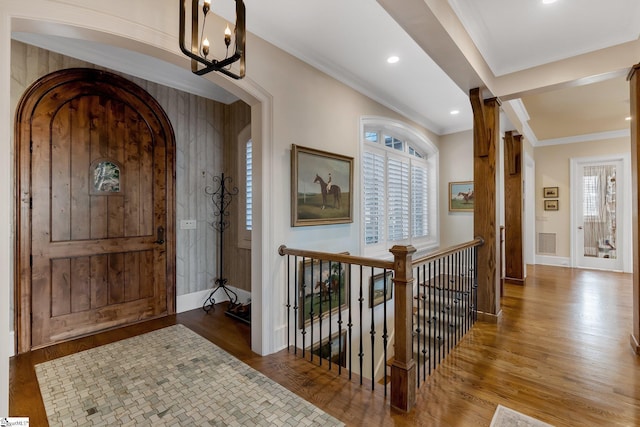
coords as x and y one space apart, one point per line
245 179
248 164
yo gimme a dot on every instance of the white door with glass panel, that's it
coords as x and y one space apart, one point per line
597 213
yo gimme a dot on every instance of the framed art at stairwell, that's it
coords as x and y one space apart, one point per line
321 187
461 196
323 289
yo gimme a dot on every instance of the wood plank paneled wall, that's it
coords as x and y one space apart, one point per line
200 129
237 260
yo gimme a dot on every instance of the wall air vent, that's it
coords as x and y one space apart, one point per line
547 243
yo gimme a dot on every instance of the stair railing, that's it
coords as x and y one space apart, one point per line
335 300
445 303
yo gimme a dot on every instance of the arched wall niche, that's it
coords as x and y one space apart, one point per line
111 32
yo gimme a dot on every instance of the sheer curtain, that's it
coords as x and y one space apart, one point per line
599 211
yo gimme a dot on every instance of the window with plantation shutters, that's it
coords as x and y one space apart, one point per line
374 197
245 181
398 196
399 188
419 207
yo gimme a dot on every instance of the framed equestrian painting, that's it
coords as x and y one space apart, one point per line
461 196
322 289
321 187
380 288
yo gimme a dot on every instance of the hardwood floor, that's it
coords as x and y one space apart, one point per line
560 353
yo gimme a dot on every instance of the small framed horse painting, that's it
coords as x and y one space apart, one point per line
322 290
321 187
461 196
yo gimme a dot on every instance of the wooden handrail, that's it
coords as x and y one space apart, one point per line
344 258
403 368
478 241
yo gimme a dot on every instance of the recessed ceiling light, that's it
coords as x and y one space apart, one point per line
454 112
628 118
393 59
548 1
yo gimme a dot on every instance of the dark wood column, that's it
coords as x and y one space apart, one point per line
486 134
635 161
514 255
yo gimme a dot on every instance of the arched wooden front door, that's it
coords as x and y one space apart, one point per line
96 207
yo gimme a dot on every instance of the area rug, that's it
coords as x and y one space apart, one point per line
169 377
505 417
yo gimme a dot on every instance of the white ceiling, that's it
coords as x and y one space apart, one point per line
515 35
522 51
351 40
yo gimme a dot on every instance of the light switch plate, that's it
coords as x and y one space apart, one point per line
188 224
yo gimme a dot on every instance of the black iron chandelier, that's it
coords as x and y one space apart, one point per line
200 47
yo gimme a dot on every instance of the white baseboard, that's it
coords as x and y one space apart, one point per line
196 299
553 260
12 343
280 338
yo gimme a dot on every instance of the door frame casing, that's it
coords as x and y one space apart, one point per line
623 204
529 241
22 190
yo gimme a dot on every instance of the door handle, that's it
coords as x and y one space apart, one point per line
579 227
160 235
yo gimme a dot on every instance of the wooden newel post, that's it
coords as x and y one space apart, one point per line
403 369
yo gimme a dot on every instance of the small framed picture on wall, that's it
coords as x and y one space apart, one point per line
550 205
549 192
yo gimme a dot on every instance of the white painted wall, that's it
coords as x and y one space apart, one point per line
456 164
552 170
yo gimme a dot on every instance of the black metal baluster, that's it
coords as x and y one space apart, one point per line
475 284
372 332
425 334
430 312
441 278
465 289
447 301
361 352
341 286
432 331
350 324
320 312
311 314
304 302
415 344
288 303
385 335
329 291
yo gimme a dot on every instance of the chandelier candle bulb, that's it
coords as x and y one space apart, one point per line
227 36
205 47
